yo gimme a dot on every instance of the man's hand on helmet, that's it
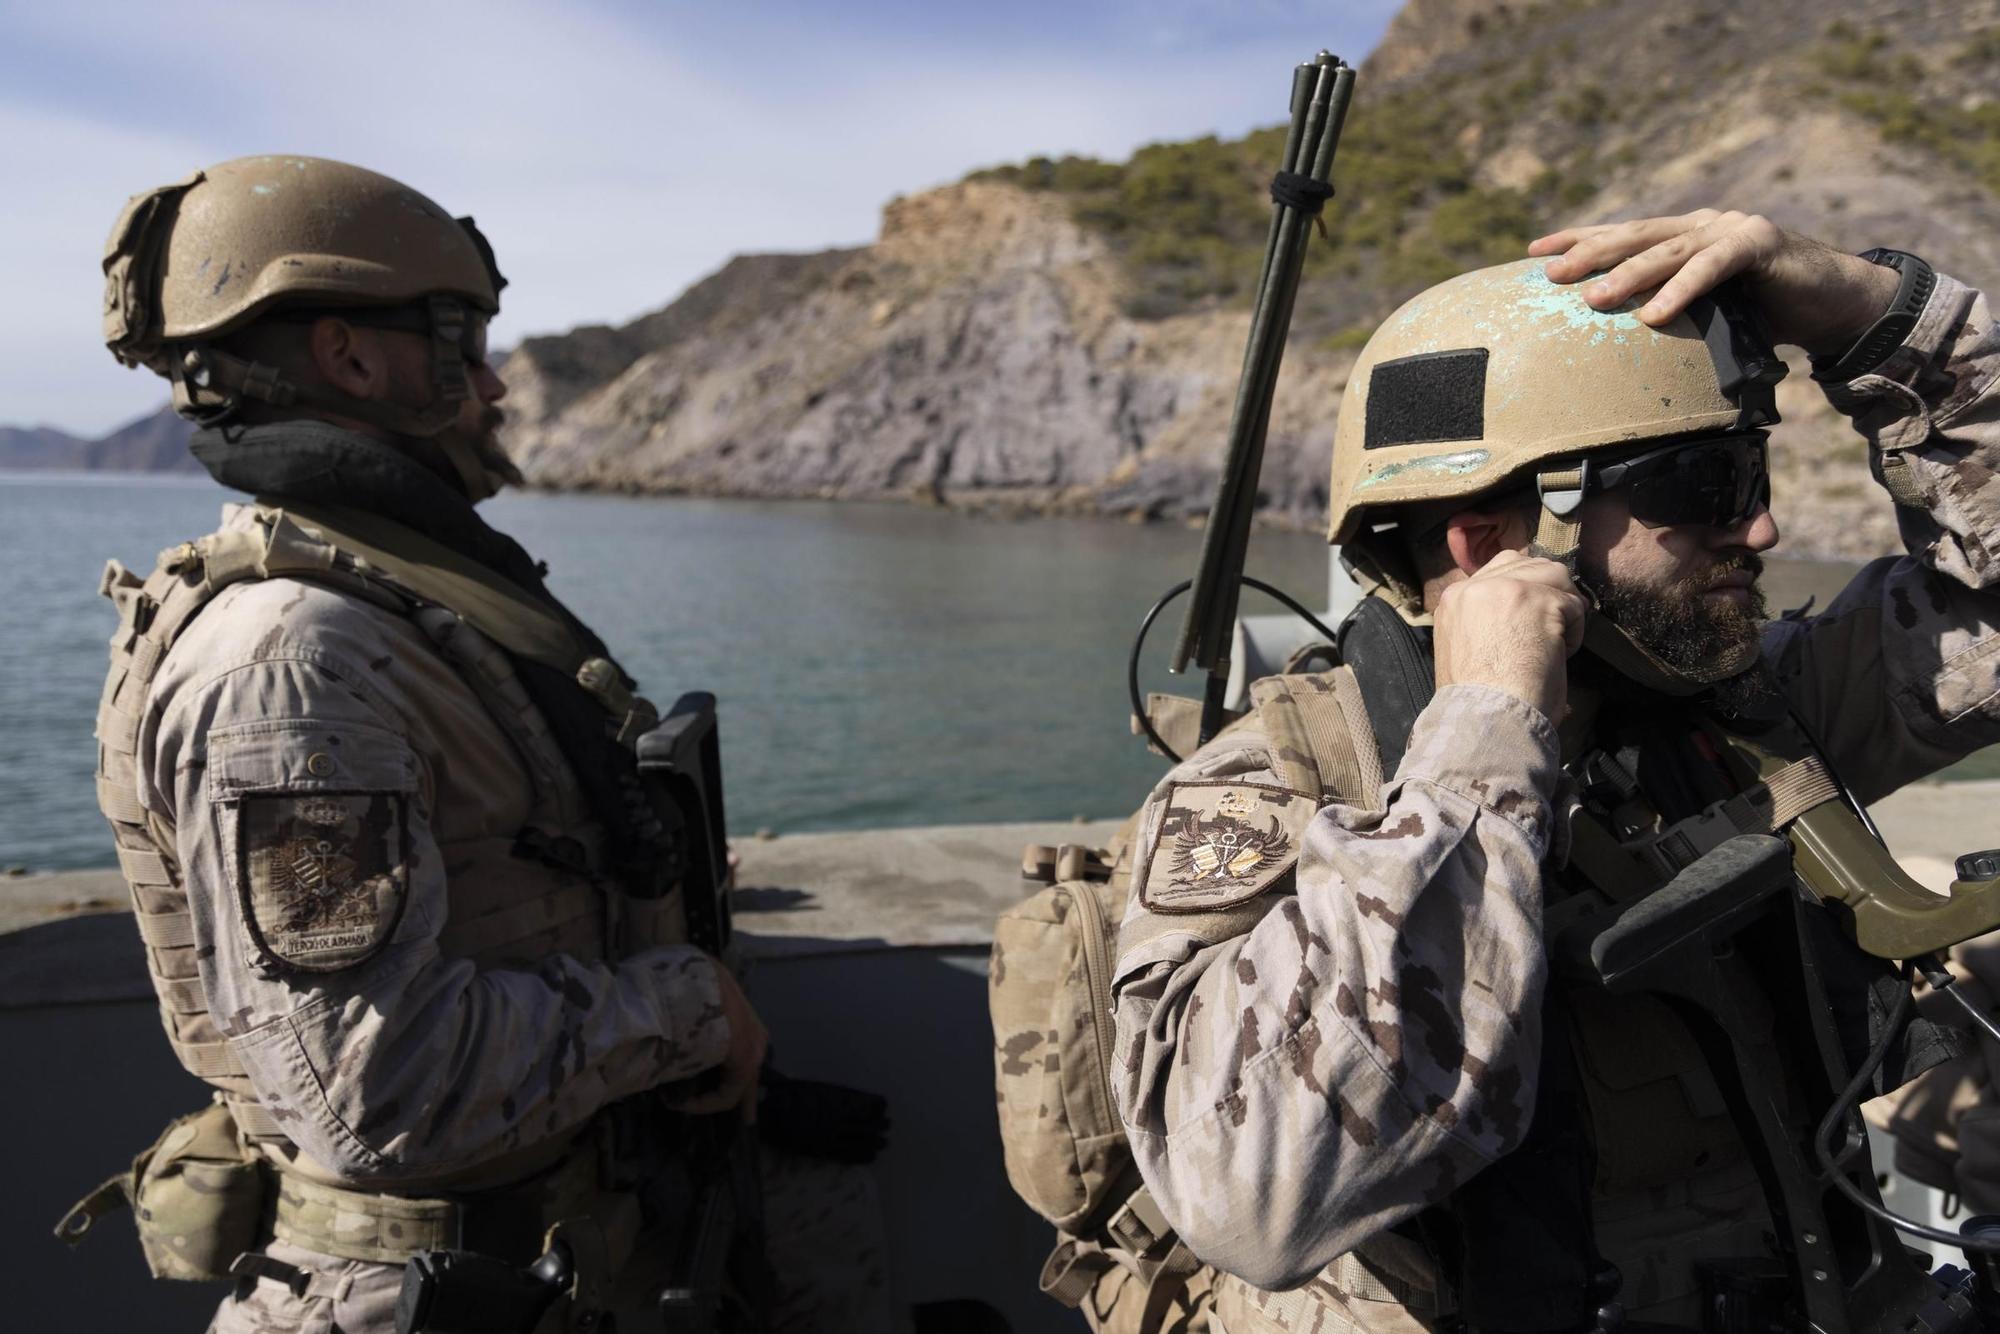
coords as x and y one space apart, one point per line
1811 294
1512 626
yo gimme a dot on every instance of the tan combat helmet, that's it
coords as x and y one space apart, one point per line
1501 376
190 262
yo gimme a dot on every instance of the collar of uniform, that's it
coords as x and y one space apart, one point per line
315 461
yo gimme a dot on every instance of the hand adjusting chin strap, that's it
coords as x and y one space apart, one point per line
1557 538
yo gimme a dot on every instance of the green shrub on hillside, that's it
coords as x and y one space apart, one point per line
1982 48
1889 89
1849 53
1189 220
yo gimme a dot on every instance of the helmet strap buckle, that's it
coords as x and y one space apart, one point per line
1559 531
448 381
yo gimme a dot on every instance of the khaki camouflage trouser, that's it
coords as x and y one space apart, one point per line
1117 1305
1348 1297
825 1236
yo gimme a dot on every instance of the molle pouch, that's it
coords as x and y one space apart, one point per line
1049 989
1657 1114
197 1198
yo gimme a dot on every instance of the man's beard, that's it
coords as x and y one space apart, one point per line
486 446
1689 631
478 449
481 438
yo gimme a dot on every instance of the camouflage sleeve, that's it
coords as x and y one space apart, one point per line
1900 676
378 1056
1303 1067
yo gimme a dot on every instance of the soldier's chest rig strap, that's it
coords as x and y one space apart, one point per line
398 527
592 713
1673 888
655 783
671 825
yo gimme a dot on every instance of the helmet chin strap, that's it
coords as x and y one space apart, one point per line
216 382
209 385
1558 537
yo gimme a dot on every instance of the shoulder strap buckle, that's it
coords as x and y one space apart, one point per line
1138 1226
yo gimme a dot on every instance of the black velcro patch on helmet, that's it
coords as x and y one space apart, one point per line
1430 397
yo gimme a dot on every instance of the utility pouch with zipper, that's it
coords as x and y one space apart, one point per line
196 1195
1050 993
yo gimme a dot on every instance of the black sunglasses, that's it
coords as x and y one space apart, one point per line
416 319
1716 480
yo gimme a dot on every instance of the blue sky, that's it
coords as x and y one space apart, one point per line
614 151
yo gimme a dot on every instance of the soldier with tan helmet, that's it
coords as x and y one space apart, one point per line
409 907
1358 1074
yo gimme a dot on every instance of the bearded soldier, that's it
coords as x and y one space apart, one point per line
1356 1072
408 905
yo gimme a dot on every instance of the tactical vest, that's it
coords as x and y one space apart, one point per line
513 897
1664 1159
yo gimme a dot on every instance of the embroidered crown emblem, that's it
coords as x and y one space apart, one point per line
1233 805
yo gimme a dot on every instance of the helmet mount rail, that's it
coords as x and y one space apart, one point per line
1747 370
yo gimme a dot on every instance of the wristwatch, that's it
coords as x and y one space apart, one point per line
1884 336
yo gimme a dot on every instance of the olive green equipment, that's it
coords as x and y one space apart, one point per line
288 239
1322 89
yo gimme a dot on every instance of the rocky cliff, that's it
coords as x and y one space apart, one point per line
1066 334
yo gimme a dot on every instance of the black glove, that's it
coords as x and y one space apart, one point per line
820 1120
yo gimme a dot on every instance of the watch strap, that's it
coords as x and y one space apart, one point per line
1888 332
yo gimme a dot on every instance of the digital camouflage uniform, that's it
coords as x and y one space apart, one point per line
1312 1051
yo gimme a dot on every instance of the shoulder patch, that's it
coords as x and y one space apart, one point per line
323 875
1220 844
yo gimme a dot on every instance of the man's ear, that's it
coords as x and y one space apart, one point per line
349 359
1474 537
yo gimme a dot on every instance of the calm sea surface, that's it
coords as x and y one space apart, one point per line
875 665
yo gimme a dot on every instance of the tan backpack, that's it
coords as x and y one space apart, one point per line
1049 988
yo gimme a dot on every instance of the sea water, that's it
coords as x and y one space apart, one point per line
875 665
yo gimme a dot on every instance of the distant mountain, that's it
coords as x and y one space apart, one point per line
1065 334
39 447
156 442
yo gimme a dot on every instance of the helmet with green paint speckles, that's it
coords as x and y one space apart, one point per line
1480 379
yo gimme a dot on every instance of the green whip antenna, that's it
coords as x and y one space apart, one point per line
1321 91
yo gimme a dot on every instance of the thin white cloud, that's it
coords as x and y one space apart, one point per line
53 366
612 163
